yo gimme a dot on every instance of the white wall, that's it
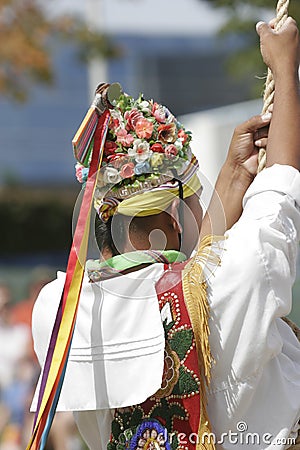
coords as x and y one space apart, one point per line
212 131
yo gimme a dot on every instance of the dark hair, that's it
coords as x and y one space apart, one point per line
104 235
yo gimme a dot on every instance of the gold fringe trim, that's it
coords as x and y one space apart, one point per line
195 294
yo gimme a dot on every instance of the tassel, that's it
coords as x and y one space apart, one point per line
195 293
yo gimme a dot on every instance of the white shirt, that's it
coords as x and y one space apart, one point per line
255 389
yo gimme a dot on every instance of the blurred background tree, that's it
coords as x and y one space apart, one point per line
26 34
242 17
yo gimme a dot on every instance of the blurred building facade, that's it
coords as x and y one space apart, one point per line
178 65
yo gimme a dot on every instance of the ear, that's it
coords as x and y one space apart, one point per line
175 215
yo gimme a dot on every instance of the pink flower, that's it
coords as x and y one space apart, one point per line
144 128
132 117
171 151
127 170
124 138
157 147
167 133
159 112
78 172
118 159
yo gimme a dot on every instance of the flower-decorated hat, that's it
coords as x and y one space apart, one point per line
146 150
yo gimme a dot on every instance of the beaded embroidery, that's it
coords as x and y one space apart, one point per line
174 410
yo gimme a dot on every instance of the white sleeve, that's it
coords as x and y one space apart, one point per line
253 286
272 204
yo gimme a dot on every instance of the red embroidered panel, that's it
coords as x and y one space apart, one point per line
169 420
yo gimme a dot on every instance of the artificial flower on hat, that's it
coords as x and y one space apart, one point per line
146 147
144 140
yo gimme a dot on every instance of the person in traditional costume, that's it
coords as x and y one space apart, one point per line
176 348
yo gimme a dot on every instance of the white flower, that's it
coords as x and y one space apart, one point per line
140 151
145 106
111 175
178 144
170 117
117 118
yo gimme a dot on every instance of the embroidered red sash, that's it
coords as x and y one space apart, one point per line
170 418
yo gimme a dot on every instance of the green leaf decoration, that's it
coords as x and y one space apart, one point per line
129 433
122 439
115 430
126 416
178 411
186 384
111 446
163 413
121 447
136 417
181 342
174 442
159 411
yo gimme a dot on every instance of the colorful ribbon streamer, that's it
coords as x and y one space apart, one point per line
61 338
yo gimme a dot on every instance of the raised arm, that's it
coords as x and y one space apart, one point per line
281 52
236 175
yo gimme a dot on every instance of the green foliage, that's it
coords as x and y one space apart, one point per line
35 221
242 17
186 383
25 54
180 342
166 411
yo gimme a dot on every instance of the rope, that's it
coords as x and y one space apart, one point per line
268 97
281 16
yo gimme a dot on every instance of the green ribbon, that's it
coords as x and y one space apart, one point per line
106 269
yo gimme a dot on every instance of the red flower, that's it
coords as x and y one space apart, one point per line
114 124
157 147
124 138
132 117
171 151
127 170
182 136
167 133
110 147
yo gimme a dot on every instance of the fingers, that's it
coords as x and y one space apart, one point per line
290 22
261 143
255 123
261 133
272 23
262 28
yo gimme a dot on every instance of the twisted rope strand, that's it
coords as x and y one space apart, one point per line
268 97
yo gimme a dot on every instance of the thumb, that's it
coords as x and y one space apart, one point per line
262 28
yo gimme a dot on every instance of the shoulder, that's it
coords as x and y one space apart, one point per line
49 295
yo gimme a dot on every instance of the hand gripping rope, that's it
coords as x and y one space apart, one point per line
268 97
